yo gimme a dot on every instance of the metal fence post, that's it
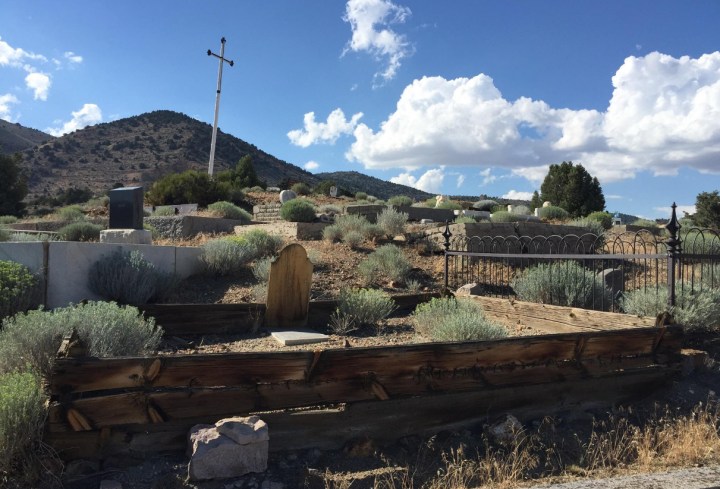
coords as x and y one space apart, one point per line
673 252
446 244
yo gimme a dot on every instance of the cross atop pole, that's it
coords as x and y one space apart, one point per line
222 59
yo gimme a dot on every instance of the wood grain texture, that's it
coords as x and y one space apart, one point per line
288 291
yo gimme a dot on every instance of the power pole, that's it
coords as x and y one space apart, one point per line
222 59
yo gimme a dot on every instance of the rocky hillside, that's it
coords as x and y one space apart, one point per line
15 138
353 182
138 151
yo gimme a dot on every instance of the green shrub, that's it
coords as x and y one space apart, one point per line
563 284
330 209
225 256
4 234
228 210
465 220
301 188
372 199
392 222
261 269
80 231
353 239
8 219
298 210
504 216
29 342
485 205
361 196
646 223
604 218
450 319
332 233
22 418
20 289
71 213
593 226
553 213
366 307
352 223
386 261
263 243
164 211
695 310
21 237
188 186
400 200
128 278
445 204
521 210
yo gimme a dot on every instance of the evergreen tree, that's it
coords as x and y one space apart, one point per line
535 202
707 210
14 186
571 187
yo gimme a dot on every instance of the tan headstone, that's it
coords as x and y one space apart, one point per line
288 295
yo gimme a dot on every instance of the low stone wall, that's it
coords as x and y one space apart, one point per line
290 230
267 212
51 225
419 213
178 227
65 264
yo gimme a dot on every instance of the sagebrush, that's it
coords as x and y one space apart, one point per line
453 319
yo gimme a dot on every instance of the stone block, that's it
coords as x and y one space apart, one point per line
130 236
418 213
244 430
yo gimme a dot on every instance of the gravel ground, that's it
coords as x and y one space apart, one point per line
694 478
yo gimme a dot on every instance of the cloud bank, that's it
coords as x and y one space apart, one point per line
323 132
664 114
370 21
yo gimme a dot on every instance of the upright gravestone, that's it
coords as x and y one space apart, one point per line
333 191
288 296
286 195
126 208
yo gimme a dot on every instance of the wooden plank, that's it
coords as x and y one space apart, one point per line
382 421
557 319
78 375
334 365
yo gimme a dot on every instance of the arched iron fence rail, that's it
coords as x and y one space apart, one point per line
685 260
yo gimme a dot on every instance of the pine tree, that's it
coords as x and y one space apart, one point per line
571 187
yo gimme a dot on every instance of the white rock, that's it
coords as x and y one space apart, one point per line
244 430
286 195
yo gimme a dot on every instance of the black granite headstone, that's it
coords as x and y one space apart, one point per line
126 208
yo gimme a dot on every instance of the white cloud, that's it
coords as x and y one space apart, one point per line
323 132
488 177
613 197
39 83
5 102
517 195
370 21
73 58
430 181
311 165
16 57
664 114
681 210
88 115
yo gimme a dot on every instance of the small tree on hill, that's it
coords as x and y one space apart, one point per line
14 186
707 210
535 202
242 176
190 186
572 188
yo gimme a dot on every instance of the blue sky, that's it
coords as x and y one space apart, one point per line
460 97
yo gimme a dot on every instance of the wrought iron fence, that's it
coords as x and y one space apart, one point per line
586 271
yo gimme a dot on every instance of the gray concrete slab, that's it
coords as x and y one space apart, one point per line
298 337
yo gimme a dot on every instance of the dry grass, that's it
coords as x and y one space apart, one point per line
614 445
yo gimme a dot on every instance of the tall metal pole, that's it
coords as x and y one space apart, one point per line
217 102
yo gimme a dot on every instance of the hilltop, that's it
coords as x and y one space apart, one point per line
14 137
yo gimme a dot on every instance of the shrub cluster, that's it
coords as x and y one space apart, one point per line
126 277
301 188
504 216
386 261
80 231
226 256
553 213
400 200
228 210
8 219
445 204
360 307
562 284
19 288
485 205
351 229
604 218
71 213
695 310
164 211
593 226
392 222
451 319
298 210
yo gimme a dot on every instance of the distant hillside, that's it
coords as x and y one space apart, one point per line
15 138
353 182
141 149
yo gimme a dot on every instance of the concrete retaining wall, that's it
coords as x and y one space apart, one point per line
291 230
65 264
